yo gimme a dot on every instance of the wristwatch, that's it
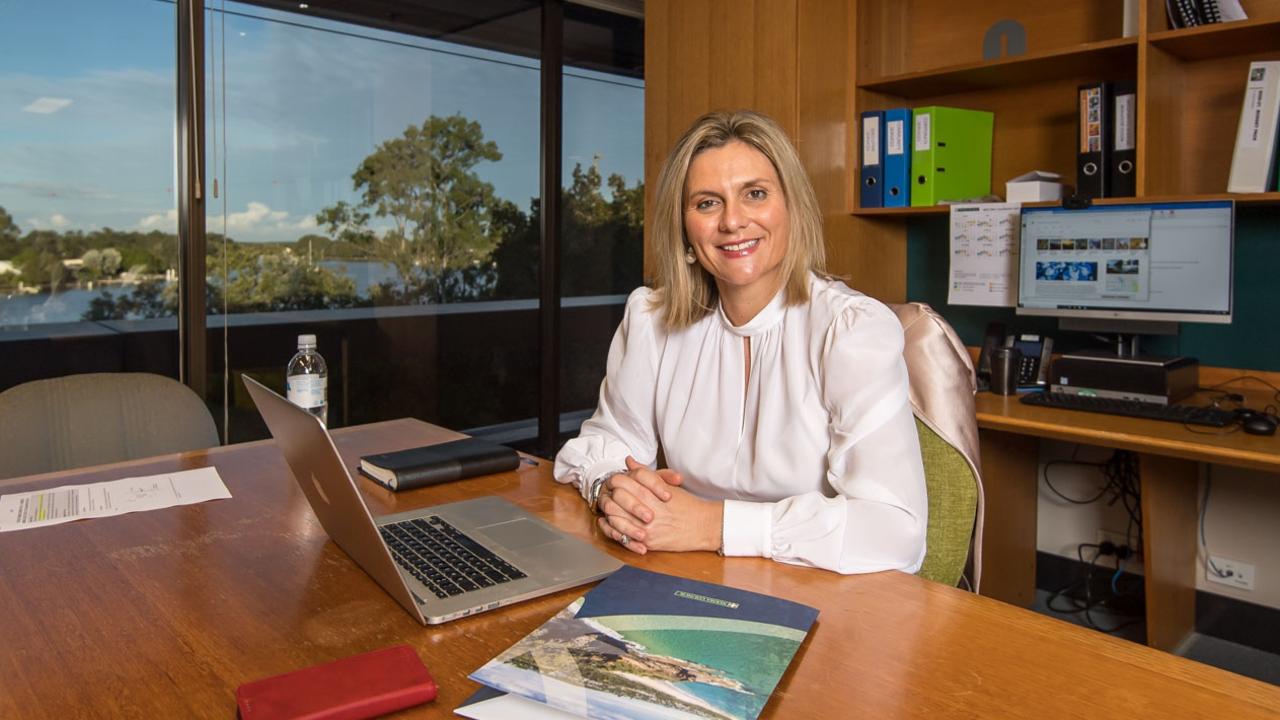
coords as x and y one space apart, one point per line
593 493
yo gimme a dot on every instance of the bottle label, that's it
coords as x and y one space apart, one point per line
307 391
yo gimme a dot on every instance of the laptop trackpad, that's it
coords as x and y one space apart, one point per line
520 534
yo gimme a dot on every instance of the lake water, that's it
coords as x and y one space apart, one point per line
71 305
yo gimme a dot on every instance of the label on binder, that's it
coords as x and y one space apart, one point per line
923 141
871 140
893 138
1124 124
1252 136
1091 125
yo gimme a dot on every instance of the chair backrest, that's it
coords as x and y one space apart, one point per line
942 388
94 418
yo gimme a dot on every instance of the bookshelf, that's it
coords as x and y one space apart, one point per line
814 65
1190 86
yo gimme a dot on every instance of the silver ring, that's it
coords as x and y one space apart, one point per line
624 540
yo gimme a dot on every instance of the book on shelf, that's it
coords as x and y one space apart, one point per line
1122 168
897 157
951 154
647 645
434 464
1190 13
1094 139
1253 162
871 175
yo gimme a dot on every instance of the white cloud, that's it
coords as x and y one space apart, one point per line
56 220
256 214
308 222
47 105
160 221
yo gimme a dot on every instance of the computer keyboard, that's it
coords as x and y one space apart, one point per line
1187 414
443 558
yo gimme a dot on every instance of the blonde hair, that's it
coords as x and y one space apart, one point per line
686 292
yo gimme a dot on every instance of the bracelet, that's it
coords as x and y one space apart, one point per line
593 493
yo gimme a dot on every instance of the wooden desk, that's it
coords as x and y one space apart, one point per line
1168 454
163 614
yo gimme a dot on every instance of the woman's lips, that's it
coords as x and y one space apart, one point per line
740 249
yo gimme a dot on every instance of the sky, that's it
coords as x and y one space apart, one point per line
295 104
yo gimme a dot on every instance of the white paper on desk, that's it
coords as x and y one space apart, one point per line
984 254
501 706
38 508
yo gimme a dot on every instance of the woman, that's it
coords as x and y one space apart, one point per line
776 395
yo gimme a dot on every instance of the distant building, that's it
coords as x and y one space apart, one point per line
7 267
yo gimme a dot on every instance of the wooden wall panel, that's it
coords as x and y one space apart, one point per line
945 32
703 55
793 60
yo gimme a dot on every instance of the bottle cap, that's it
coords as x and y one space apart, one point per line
306 341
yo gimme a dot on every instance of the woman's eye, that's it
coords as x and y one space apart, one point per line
705 204
757 194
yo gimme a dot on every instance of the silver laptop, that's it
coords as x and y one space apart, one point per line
440 562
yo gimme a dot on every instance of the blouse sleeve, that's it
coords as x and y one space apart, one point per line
624 422
879 515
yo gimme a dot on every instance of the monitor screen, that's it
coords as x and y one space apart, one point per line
1167 262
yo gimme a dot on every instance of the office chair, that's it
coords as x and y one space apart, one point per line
941 390
94 418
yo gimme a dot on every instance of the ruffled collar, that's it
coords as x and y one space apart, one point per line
768 316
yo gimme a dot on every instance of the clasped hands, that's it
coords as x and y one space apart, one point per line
652 512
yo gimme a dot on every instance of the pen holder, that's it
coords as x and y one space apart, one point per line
1004 370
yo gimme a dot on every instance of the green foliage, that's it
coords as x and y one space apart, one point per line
424 182
448 235
271 282
9 233
98 264
602 246
148 299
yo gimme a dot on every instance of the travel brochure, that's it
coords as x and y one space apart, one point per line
647 645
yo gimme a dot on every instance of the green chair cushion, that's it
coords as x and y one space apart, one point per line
953 503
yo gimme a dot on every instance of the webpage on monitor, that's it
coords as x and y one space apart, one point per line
1143 258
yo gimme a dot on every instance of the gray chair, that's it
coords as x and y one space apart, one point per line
80 420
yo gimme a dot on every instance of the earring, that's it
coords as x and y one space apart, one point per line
689 257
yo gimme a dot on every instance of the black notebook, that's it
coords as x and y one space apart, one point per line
432 464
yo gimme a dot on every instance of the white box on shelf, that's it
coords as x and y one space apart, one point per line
1034 186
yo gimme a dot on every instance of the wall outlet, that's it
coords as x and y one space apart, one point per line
1238 574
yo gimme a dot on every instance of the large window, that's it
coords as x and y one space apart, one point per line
370 177
87 207
382 203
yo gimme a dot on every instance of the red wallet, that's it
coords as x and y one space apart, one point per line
360 686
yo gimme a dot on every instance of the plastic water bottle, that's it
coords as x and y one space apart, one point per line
307 379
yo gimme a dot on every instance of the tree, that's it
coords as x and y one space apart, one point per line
602 245
273 282
40 260
9 234
97 264
440 209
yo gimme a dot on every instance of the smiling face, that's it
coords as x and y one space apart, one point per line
735 218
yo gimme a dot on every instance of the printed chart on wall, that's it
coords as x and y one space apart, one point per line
984 254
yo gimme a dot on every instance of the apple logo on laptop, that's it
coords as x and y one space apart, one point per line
316 484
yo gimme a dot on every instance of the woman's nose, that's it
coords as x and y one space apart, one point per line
733 218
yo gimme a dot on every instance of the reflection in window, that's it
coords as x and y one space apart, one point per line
87 218
380 201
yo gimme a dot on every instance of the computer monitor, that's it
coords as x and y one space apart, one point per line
1128 268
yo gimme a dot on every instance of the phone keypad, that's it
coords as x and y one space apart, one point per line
1027 370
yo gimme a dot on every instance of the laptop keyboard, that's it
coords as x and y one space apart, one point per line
444 559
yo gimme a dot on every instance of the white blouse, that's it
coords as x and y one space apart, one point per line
818 462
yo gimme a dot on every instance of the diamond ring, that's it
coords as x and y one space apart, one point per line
624 540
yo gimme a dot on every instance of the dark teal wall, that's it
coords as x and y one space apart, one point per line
1252 340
